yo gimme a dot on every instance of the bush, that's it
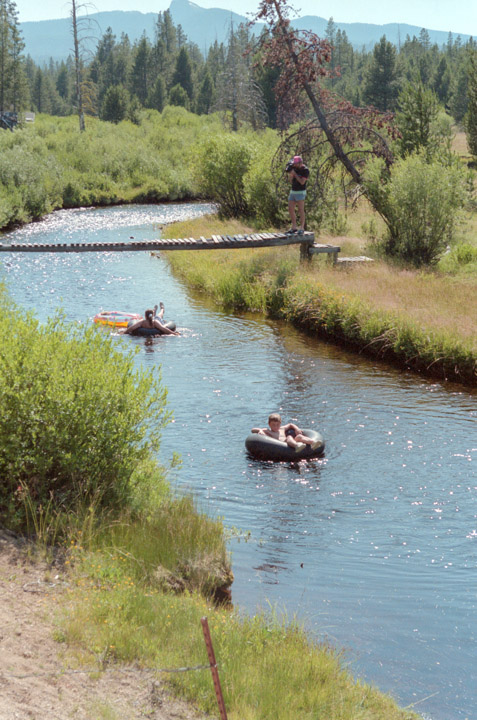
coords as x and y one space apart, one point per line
30 178
420 203
77 419
261 195
462 258
221 166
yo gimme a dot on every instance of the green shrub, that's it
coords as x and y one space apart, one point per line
263 202
221 166
461 259
77 418
420 202
465 254
30 178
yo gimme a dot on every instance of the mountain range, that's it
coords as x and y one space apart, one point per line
52 39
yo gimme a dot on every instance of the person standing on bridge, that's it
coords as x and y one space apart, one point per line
298 174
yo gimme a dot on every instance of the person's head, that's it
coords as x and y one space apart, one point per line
298 160
149 314
274 421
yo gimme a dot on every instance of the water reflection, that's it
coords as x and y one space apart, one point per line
374 545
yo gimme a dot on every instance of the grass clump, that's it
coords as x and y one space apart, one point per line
268 668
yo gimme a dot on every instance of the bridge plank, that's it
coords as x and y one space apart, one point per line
264 239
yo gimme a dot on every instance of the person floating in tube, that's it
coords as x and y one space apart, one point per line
289 433
298 174
151 320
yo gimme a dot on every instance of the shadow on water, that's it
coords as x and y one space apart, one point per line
372 546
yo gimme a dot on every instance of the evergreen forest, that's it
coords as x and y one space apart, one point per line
121 78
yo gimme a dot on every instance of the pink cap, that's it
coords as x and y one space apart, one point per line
297 159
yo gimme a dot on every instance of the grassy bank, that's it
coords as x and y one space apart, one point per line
268 668
426 322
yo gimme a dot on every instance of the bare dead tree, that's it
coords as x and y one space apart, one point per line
79 24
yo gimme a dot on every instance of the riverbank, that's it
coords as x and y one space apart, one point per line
423 322
66 656
39 677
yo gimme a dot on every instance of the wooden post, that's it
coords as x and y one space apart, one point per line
305 255
213 668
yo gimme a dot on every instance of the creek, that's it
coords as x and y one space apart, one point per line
374 546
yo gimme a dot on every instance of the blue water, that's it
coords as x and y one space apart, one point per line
373 547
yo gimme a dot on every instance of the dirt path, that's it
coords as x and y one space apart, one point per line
31 683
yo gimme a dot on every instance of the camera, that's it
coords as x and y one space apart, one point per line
289 166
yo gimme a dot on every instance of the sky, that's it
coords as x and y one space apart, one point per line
459 16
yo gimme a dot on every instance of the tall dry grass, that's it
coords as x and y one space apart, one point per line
433 301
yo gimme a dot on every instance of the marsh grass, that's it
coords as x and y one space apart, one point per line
268 668
424 321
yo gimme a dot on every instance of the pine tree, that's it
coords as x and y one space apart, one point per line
164 50
381 83
179 97
418 108
442 80
183 73
205 96
13 86
156 98
471 117
238 93
115 104
43 92
459 100
62 82
140 73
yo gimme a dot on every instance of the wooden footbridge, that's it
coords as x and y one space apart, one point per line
307 244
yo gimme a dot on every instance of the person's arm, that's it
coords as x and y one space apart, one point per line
302 180
259 431
292 426
163 329
131 328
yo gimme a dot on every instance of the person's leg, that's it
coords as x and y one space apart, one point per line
290 441
304 440
163 329
291 210
301 212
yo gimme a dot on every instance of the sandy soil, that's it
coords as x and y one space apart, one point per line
34 681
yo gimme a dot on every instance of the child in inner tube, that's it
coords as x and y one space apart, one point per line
151 321
289 433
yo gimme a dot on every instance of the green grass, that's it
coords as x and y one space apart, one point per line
268 667
423 321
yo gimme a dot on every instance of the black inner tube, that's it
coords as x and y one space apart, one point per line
267 448
150 331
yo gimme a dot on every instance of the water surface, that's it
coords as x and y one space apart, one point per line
374 546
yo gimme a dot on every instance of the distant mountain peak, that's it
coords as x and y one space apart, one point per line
51 39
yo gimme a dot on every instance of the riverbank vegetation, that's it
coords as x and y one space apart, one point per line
51 165
79 432
267 666
412 318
